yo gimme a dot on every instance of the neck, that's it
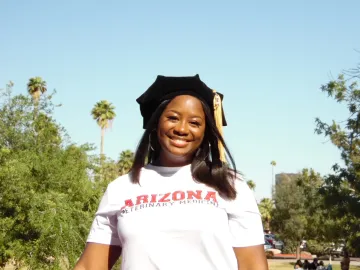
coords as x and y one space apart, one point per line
169 160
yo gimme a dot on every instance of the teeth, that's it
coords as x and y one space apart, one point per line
179 141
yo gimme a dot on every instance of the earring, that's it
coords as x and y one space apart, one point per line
207 154
152 148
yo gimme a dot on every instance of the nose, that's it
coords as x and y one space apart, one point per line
181 128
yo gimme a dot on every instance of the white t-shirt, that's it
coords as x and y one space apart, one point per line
171 222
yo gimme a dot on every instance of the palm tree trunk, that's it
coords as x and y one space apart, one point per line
102 143
35 115
36 97
272 181
267 224
102 158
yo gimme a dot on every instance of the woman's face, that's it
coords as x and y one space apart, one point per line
181 130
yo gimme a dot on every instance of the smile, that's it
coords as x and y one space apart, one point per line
178 142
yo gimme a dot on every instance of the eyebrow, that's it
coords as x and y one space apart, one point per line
192 116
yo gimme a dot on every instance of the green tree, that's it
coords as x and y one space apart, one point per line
289 217
342 187
104 113
266 207
300 212
44 218
309 183
103 171
321 230
125 162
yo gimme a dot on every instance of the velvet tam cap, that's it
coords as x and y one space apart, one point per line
165 88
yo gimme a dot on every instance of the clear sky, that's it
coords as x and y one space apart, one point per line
269 59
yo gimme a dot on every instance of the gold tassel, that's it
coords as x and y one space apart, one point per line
219 123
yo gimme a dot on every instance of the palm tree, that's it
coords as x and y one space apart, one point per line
36 86
266 206
125 162
251 184
273 164
103 112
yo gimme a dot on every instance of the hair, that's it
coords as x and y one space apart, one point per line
206 166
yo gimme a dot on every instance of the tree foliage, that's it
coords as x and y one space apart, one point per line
251 184
289 216
104 113
342 188
300 212
125 162
266 207
36 86
46 199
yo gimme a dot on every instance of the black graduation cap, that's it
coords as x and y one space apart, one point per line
169 87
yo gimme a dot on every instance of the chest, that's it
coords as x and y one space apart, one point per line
192 210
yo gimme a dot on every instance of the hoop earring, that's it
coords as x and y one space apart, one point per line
208 152
152 148
207 155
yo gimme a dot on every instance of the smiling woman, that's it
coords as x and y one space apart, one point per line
183 204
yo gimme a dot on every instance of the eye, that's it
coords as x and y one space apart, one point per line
195 123
172 118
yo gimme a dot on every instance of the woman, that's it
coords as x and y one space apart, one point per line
298 265
314 264
182 206
321 266
306 265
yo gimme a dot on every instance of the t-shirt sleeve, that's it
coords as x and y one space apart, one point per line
104 227
245 223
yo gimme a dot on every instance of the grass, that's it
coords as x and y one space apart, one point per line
274 265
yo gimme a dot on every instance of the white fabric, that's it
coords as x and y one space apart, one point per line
171 222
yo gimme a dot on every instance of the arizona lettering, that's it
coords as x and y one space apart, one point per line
165 198
172 197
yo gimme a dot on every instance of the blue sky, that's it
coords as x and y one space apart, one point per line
269 59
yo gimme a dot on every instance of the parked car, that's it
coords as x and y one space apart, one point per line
270 238
278 244
267 245
336 250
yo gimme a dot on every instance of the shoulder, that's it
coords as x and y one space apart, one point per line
245 197
237 180
116 188
243 191
122 180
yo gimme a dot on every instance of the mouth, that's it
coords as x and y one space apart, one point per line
180 143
